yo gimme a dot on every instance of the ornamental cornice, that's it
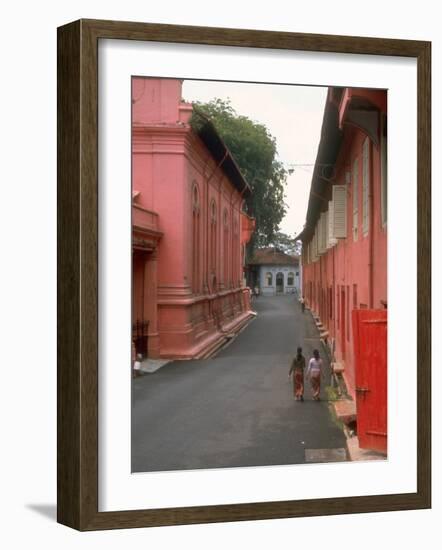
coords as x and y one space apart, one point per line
143 232
181 140
142 133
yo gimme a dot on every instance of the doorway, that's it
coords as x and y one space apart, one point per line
343 320
279 283
140 324
370 345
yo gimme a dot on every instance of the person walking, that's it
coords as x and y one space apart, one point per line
297 368
314 373
302 304
137 365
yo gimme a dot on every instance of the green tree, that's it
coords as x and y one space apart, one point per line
254 150
285 243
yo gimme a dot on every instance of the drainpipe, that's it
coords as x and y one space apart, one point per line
334 302
371 233
320 306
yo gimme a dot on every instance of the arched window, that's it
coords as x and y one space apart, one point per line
195 239
290 279
226 247
213 244
269 279
236 251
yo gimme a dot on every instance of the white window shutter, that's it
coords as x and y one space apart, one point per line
355 190
319 231
326 230
312 250
315 245
324 222
365 185
321 234
331 241
339 212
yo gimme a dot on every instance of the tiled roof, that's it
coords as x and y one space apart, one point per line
271 256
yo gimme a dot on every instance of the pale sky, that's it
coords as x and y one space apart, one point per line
292 114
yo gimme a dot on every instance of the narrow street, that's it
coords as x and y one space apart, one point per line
236 409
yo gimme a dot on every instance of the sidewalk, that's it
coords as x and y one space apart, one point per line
148 366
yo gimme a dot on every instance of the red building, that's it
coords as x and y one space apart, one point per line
345 243
189 228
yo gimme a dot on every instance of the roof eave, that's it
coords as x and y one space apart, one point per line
328 150
220 152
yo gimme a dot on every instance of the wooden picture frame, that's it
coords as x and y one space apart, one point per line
77 460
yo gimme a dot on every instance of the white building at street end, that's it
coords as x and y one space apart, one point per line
275 272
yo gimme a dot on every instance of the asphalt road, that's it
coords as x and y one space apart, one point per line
236 409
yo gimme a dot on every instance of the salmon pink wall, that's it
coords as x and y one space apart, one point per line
199 297
341 276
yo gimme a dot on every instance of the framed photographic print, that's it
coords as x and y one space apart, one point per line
241 215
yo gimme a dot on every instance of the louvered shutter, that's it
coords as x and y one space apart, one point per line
315 245
319 231
355 198
365 185
339 212
324 232
331 241
312 250
318 238
326 238
321 234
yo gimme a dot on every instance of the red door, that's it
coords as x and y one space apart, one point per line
370 347
343 320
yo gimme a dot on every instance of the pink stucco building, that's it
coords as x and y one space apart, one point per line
345 250
189 228
345 237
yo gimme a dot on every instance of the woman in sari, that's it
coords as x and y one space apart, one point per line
297 368
314 373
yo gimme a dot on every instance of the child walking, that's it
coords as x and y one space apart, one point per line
297 368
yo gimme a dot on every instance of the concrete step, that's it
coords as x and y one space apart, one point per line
213 349
338 367
345 410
